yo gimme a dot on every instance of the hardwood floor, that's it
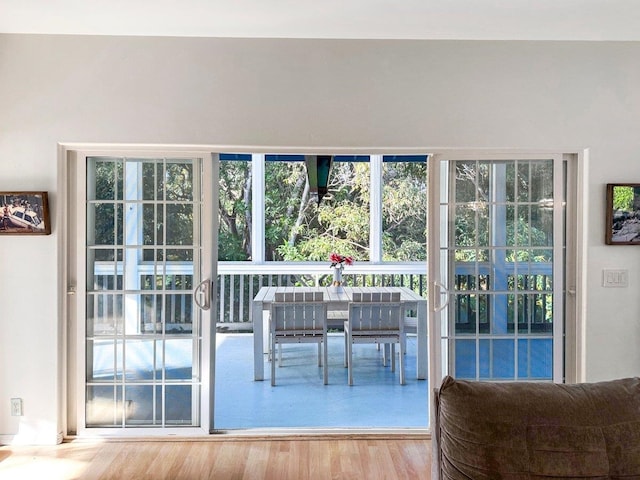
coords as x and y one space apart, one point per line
252 459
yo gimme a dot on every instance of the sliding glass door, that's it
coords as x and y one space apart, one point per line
498 264
148 252
143 253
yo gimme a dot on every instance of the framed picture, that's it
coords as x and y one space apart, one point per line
24 213
623 214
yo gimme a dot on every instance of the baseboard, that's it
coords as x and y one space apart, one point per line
6 439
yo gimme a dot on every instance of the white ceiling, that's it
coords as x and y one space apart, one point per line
383 19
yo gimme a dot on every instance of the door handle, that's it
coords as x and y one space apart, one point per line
202 295
442 290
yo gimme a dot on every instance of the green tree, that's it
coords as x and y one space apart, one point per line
298 229
234 203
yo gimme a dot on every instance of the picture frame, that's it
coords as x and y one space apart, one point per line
623 214
24 213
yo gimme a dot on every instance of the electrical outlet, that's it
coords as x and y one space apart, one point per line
16 407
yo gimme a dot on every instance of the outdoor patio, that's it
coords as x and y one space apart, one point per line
300 400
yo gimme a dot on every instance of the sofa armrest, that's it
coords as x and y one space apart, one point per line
536 430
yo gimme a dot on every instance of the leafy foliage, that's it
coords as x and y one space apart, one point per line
298 229
234 233
623 198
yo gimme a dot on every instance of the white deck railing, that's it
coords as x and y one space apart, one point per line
239 282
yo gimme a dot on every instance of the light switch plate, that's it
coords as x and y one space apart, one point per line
617 278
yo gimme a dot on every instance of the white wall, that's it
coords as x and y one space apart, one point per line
301 93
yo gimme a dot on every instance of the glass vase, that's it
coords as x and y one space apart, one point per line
337 278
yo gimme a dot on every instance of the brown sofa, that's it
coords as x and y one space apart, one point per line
518 430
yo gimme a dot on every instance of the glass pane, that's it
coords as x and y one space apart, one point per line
466 228
150 281
105 182
134 269
178 359
465 310
541 181
178 313
503 359
510 225
535 358
140 356
483 181
466 282
101 224
180 255
105 254
179 221
466 181
523 182
482 225
484 366
484 311
179 401
465 255
542 226
149 229
149 179
138 405
104 357
179 181
499 315
104 314
143 314
523 225
178 282
104 406
465 359
105 276
511 182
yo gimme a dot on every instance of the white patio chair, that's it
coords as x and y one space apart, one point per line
375 318
299 317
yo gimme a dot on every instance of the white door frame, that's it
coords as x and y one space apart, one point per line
68 262
574 266
72 212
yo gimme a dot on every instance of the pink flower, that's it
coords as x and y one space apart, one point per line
338 260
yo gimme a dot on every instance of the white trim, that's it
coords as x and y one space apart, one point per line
210 261
433 274
64 289
435 367
77 229
559 354
118 432
73 251
459 153
257 207
581 207
375 209
319 268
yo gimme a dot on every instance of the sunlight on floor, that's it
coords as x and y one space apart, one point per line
45 462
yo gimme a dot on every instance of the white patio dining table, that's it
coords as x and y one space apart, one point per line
337 301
